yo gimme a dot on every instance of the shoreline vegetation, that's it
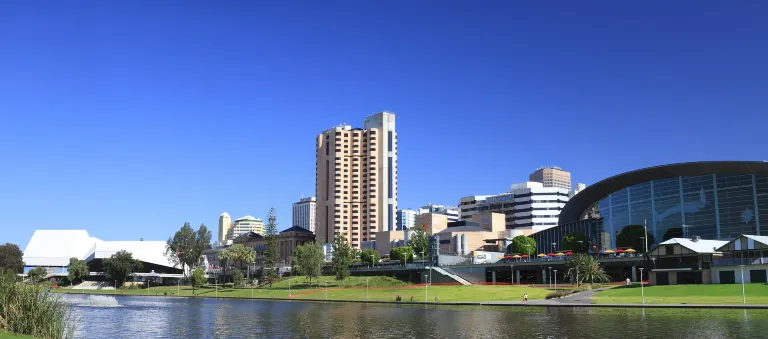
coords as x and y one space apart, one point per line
30 310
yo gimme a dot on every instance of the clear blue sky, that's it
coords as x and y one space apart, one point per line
129 118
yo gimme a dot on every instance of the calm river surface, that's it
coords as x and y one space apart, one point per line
159 317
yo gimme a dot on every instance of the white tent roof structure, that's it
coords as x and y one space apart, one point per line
53 248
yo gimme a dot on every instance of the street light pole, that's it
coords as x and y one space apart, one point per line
549 277
555 280
642 290
511 275
743 296
366 289
685 227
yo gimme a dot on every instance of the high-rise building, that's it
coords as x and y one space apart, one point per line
406 219
244 225
528 205
356 180
450 211
225 222
304 213
552 177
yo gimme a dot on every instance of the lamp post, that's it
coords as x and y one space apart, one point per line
511 275
642 290
549 277
366 289
555 280
553 247
685 228
426 286
743 296
115 286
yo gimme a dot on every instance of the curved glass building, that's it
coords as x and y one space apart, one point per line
712 200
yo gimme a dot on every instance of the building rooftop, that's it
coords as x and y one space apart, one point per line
463 229
698 246
295 229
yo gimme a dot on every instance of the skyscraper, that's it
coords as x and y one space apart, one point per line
225 222
552 177
356 180
304 213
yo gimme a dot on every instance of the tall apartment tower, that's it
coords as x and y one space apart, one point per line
552 177
304 213
225 222
356 180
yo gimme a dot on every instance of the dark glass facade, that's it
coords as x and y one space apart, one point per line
592 228
712 206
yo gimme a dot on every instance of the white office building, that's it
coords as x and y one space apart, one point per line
244 225
406 219
527 205
451 211
304 213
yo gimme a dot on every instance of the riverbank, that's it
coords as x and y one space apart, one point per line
9 335
725 294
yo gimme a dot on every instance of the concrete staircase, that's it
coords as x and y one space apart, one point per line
448 273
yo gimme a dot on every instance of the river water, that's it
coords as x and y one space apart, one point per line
160 317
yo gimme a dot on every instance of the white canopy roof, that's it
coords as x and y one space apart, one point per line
55 247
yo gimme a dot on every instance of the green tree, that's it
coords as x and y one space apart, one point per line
583 267
576 242
225 259
270 257
198 278
242 255
120 265
78 270
237 277
187 245
342 256
370 256
308 260
36 275
632 237
11 258
403 253
419 241
523 245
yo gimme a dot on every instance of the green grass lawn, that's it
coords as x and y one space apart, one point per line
9 335
380 289
685 294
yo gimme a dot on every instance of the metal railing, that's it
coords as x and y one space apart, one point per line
740 261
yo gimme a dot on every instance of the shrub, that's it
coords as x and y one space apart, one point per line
558 294
31 310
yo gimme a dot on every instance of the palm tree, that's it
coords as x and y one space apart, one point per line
224 257
583 267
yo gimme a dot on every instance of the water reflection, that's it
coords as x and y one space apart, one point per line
208 318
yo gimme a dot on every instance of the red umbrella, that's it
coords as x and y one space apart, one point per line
507 257
551 255
525 256
619 250
568 253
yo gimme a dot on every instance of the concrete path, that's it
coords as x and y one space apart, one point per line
581 297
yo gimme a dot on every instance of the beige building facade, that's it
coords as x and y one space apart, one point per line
356 181
225 222
552 177
432 222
